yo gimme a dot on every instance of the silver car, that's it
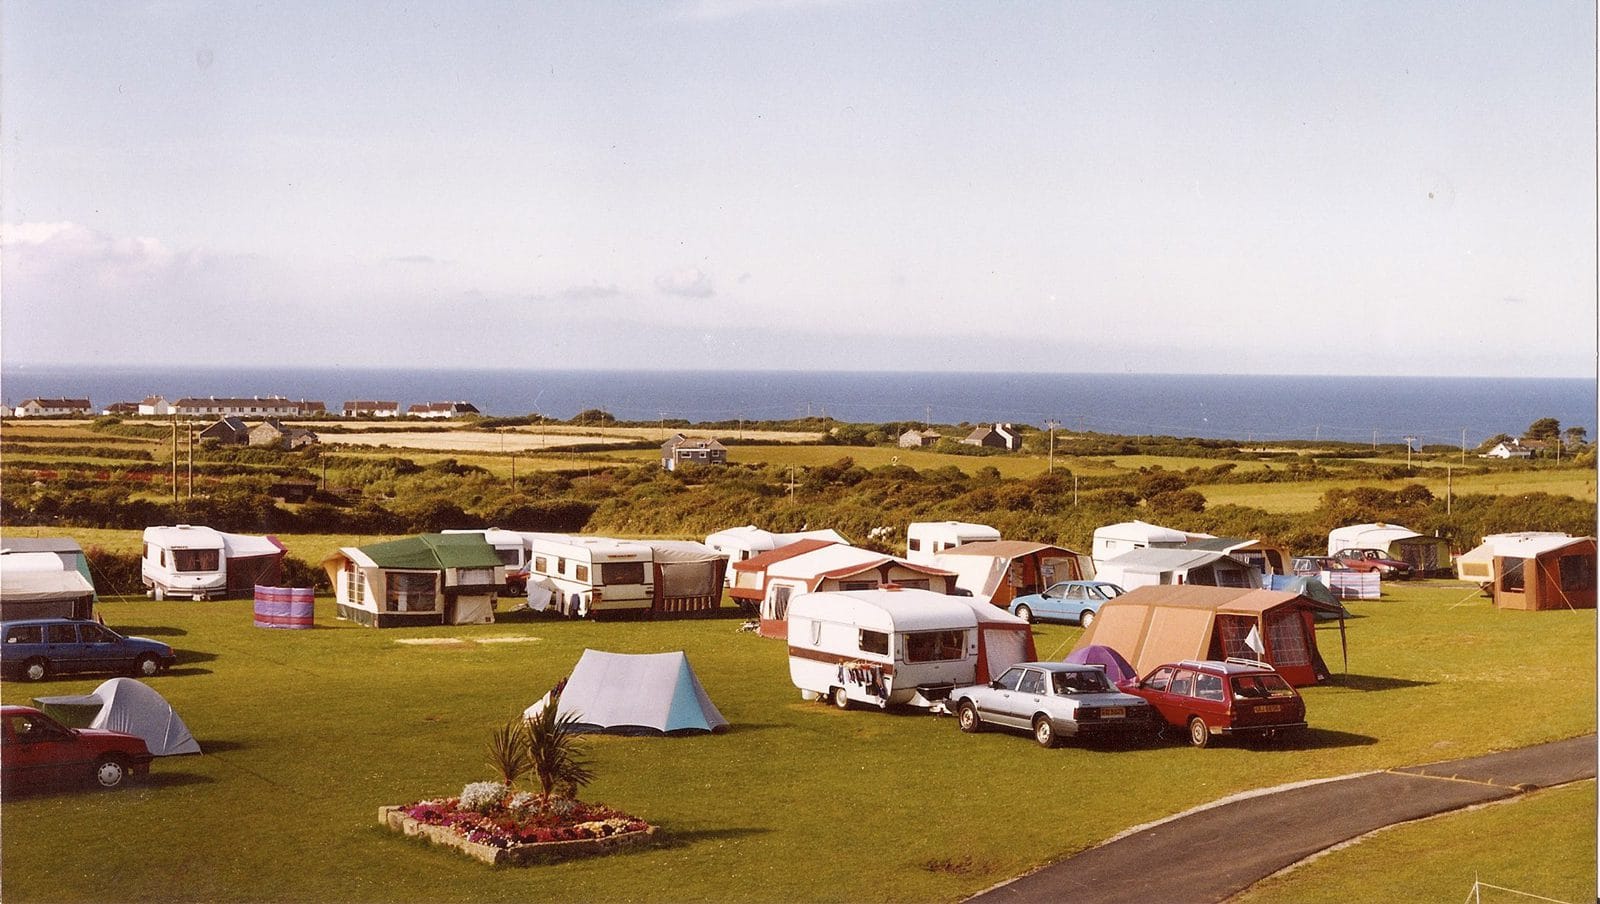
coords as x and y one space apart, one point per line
1053 700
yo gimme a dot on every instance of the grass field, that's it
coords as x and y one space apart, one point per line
1542 844
307 733
1292 497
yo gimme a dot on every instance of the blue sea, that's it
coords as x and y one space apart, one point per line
1252 408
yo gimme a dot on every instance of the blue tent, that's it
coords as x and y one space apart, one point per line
636 693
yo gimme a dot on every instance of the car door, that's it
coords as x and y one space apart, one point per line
1028 698
38 749
996 702
1157 688
1073 603
62 649
102 650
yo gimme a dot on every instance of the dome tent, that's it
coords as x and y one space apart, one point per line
130 706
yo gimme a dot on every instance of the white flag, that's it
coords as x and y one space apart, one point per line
1253 641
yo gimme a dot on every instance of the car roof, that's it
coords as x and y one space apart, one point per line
1059 666
1227 668
13 708
49 621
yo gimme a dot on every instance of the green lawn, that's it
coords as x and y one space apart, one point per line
1542 844
308 732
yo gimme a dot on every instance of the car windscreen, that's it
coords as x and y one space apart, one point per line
1260 687
1081 683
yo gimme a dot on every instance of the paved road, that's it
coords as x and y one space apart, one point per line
1211 854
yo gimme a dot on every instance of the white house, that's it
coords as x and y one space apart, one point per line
1513 449
54 408
155 406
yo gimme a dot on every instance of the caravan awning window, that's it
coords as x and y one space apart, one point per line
412 591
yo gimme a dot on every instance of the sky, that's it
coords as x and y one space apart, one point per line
1253 187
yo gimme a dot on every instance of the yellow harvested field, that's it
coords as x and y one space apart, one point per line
526 439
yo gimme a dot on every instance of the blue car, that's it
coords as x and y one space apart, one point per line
1075 602
37 648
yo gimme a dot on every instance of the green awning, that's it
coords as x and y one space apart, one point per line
434 551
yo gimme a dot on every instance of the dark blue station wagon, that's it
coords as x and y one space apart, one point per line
36 648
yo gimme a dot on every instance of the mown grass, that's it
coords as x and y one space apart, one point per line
1542 844
308 732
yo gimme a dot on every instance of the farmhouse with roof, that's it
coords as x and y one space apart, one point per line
368 408
692 451
1000 436
442 409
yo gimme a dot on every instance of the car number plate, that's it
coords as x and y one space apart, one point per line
1114 712
1273 708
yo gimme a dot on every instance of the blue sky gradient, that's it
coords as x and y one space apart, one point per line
1121 187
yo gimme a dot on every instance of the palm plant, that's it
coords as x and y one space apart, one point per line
553 750
508 752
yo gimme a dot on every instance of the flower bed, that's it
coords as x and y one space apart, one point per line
496 826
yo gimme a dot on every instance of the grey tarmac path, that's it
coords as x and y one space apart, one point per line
1210 854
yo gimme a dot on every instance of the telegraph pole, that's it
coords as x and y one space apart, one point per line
1052 424
1409 440
188 426
174 460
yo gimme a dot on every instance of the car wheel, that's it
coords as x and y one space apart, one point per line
147 666
1024 613
840 698
109 772
1044 732
1199 734
1086 618
967 717
36 669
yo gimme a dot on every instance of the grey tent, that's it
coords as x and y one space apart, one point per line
46 592
130 706
636 693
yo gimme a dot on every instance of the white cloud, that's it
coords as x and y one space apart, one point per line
691 282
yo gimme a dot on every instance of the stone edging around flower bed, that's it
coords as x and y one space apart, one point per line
395 819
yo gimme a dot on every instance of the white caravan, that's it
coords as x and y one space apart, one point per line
586 575
881 647
511 547
926 539
740 543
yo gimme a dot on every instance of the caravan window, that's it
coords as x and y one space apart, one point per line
874 642
475 577
411 591
935 646
355 589
858 585
581 572
914 545
196 559
541 564
622 573
509 557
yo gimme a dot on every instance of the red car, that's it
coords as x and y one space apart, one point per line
1372 560
36 749
1208 698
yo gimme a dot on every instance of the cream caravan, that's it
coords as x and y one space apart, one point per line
881 647
926 539
587 575
193 562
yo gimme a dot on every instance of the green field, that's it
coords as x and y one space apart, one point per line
1542 844
307 733
1290 497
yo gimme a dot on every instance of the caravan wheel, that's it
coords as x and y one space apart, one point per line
583 607
160 594
840 698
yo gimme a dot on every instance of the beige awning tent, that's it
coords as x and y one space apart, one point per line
1155 625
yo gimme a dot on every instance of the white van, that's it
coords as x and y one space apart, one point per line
586 575
881 647
926 539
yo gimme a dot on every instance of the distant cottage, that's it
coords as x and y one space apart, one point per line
257 406
692 451
919 439
1000 436
365 408
230 431
442 409
273 435
54 408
